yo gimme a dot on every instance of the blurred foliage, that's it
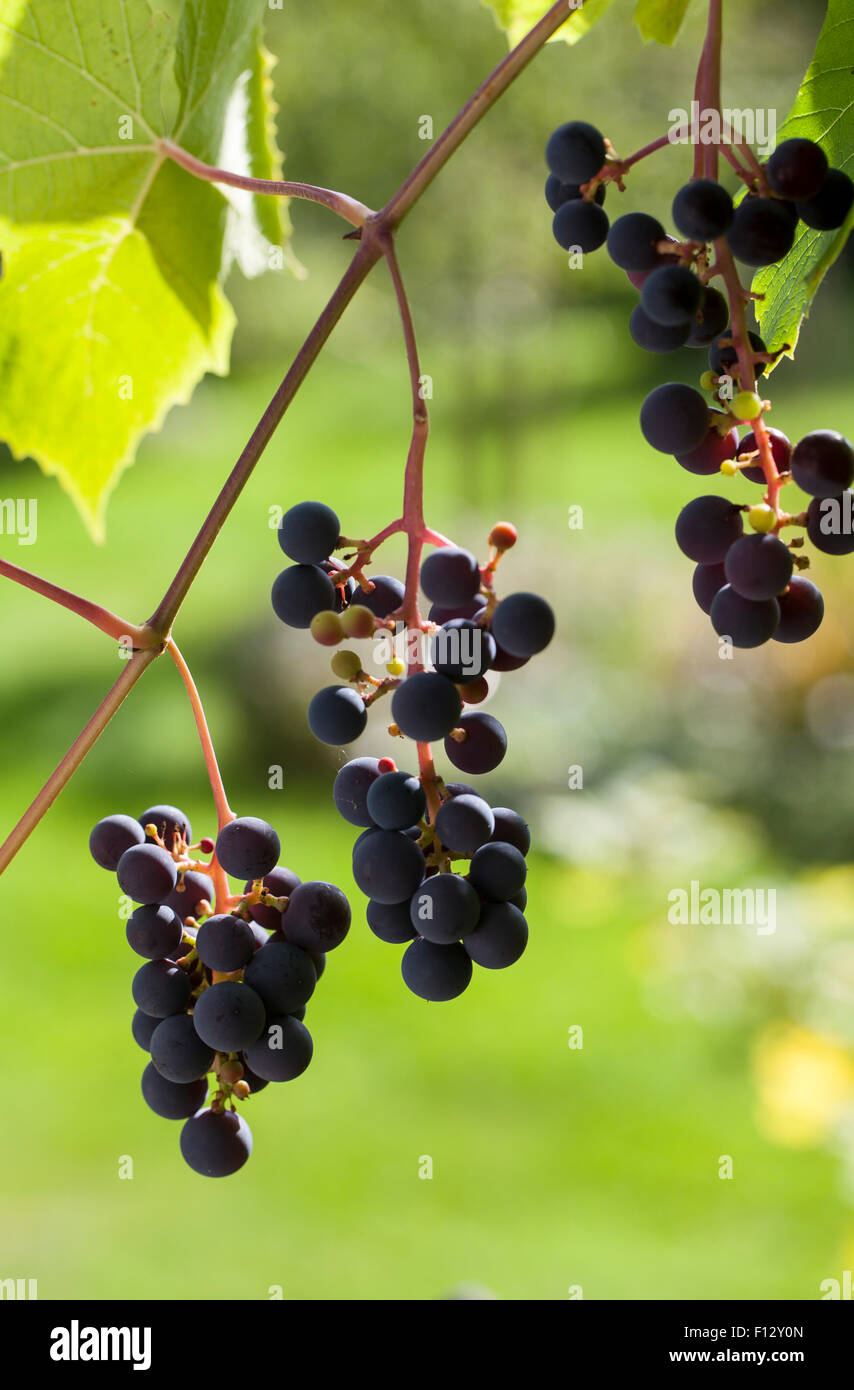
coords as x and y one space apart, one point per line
553 1167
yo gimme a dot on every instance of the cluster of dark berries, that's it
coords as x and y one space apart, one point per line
221 998
746 583
467 633
449 916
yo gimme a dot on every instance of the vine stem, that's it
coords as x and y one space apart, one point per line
224 813
157 630
76 753
93 613
350 209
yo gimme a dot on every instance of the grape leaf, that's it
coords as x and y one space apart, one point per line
824 112
660 20
111 308
516 17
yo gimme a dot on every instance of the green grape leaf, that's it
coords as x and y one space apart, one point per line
660 20
824 112
516 17
111 306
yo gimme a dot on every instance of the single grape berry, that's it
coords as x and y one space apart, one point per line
715 449
350 790
702 210
146 873
225 943
758 567
229 1016
674 419
823 463
111 837
282 975
801 611
762 231
707 581
707 527
317 916
171 1100
558 193
327 629
829 207
387 865
797 169
462 651
781 451
580 225
464 823
190 889
575 152
511 828
178 1052
498 871
160 988
390 922
154 931
830 524
300 593
216 1143
309 532
283 1050
426 706
170 824
672 295
482 746
281 882
499 938
337 715
450 575
710 320
743 621
384 597
656 337
633 242
523 624
444 908
396 800
247 847
143 1025
435 973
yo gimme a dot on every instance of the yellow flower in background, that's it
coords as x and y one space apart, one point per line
804 1081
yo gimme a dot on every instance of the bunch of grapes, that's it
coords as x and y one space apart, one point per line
746 582
221 998
418 831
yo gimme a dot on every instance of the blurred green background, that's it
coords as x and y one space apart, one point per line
553 1167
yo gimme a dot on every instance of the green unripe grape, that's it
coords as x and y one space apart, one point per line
707 381
326 628
746 405
762 518
346 665
358 621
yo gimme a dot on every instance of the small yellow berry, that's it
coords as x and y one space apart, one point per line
708 380
729 468
746 405
395 668
762 517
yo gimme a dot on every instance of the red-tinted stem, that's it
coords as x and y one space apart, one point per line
99 617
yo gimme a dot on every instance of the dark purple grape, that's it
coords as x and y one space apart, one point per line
169 1099
575 152
744 622
511 828
710 321
444 908
830 524
247 847
317 917
672 296
426 706
154 931
143 1025
758 566
797 169
450 575
801 611
301 592
762 231
178 1052
633 242
390 922
656 337
396 801
499 938
161 988
171 825
707 527
309 532
674 419
723 359
216 1143
229 1015
436 973
386 595
337 715
829 207
483 745
708 580
146 873
225 943
387 865
283 975
283 1050
111 837
464 823
580 225
781 451
558 193
498 871
523 624
281 882
823 463
462 651
702 210
191 889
